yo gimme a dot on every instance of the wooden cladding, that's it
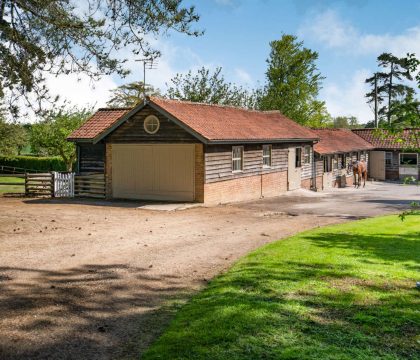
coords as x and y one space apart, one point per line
218 161
132 131
91 158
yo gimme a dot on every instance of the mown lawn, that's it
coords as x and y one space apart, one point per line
340 292
11 184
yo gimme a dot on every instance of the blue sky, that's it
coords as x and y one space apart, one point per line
348 35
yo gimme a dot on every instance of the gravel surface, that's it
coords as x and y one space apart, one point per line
100 280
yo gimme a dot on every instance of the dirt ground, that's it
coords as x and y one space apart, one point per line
101 280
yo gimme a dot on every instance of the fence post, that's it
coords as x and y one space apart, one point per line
26 184
52 184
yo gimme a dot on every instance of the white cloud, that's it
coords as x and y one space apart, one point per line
348 98
80 90
336 33
243 77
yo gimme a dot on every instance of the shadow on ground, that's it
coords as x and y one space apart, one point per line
105 311
298 306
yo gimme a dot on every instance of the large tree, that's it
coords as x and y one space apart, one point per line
39 37
293 82
13 137
209 87
391 83
129 95
345 122
49 136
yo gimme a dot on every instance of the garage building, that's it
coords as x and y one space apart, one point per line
182 151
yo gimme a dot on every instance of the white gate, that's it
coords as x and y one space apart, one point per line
63 184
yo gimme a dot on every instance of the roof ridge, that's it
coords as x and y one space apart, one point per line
214 105
114 108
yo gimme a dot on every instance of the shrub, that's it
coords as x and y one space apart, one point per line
32 163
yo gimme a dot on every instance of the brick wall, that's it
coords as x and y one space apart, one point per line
108 170
199 173
319 183
306 184
246 188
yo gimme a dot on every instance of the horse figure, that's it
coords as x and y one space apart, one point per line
359 169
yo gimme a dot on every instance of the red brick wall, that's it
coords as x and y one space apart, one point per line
319 183
306 184
246 188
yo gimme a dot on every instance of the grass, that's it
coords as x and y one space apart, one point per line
11 184
339 292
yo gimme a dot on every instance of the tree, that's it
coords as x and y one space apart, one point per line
49 136
345 122
129 95
39 37
293 81
210 88
13 137
390 84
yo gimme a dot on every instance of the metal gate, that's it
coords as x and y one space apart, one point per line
63 184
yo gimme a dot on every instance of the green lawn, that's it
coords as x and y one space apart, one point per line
340 292
11 184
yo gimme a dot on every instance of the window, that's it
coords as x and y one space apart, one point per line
151 124
267 156
307 155
341 161
237 158
298 161
388 158
335 162
408 159
327 163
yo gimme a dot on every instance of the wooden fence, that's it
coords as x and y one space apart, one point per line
89 186
39 184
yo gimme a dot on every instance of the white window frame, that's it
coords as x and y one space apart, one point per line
149 119
307 155
417 157
267 156
236 159
390 154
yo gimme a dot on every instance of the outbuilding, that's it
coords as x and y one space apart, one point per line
335 151
183 151
395 157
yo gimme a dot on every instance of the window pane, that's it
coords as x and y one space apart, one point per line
237 158
408 159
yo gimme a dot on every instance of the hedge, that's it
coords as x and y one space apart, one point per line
32 163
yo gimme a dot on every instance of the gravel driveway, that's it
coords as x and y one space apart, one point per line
100 280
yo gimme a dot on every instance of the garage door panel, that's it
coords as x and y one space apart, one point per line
153 172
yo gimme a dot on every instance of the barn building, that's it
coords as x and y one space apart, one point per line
394 157
336 149
182 151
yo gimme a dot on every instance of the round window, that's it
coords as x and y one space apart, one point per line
151 124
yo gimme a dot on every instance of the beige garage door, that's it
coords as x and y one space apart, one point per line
153 172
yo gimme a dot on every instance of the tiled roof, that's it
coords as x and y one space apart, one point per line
381 139
96 124
339 141
212 122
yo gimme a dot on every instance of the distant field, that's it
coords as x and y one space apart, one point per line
11 184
